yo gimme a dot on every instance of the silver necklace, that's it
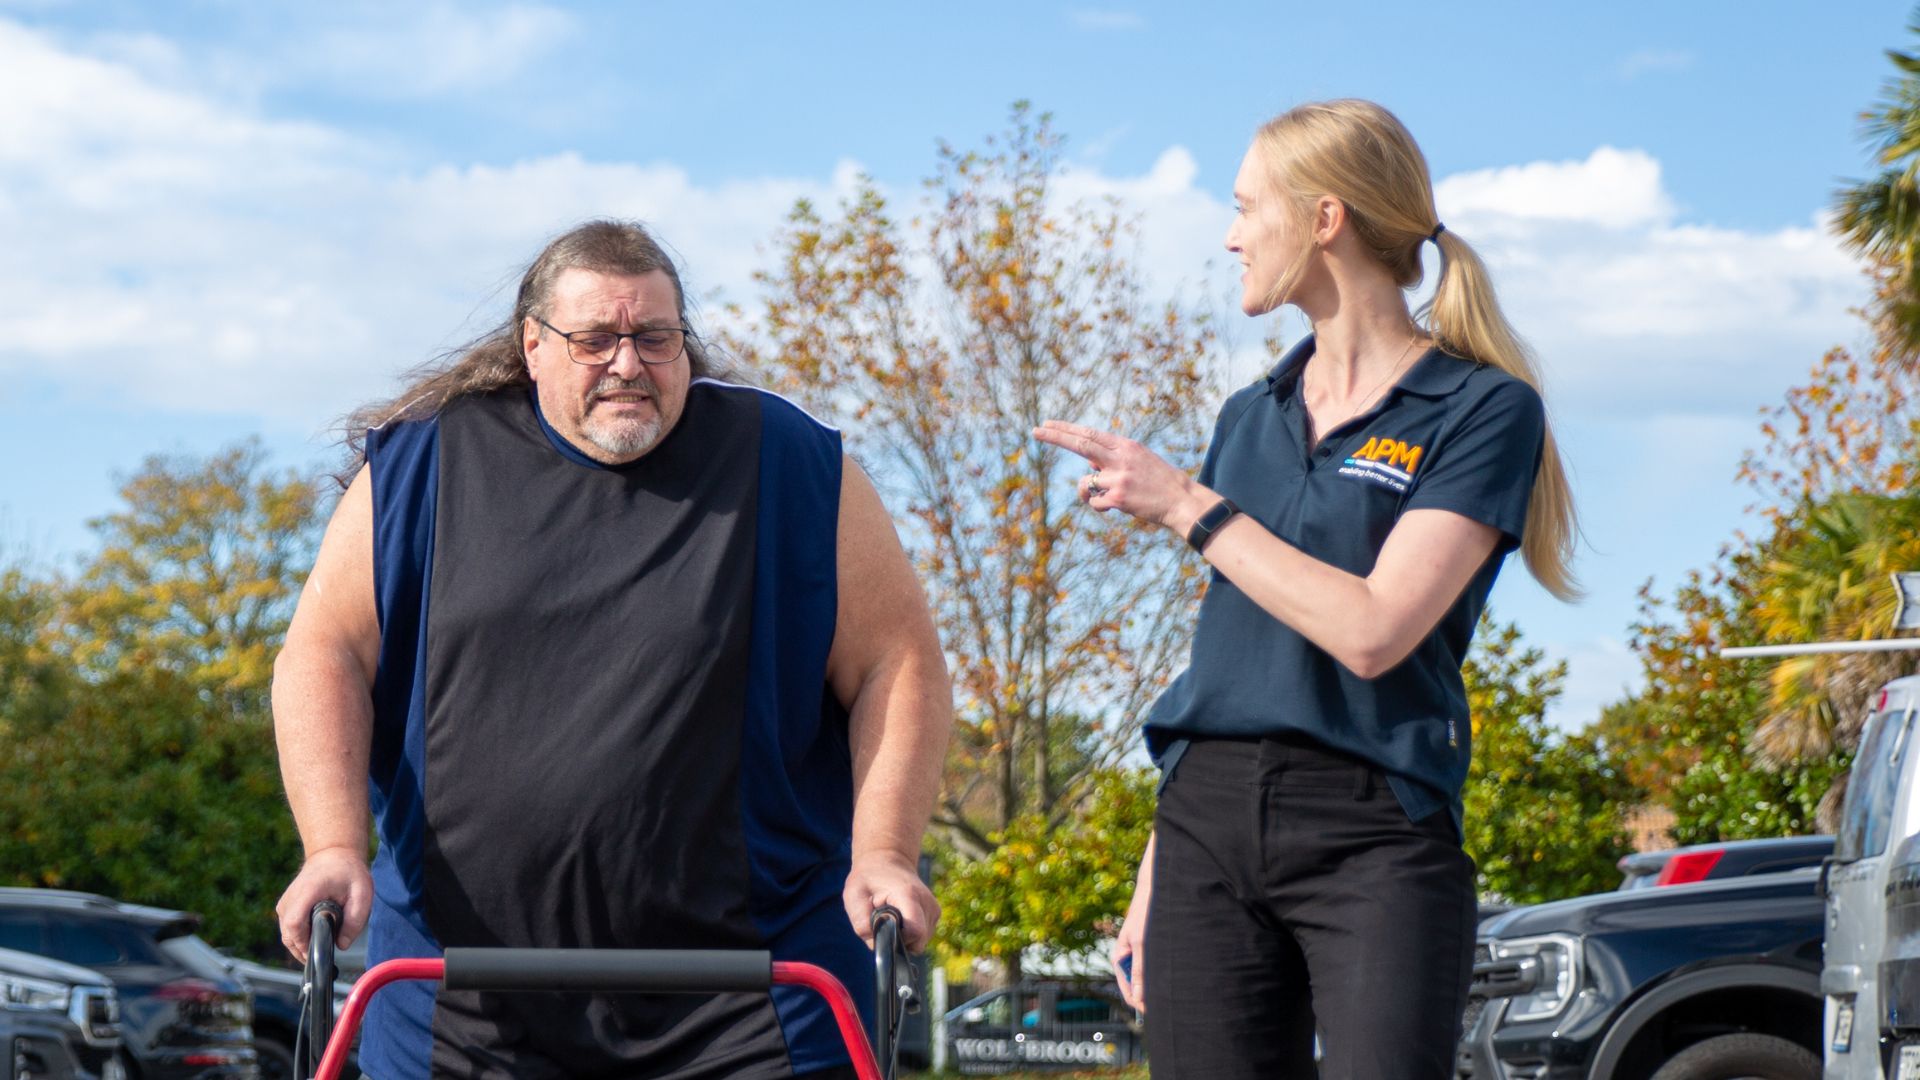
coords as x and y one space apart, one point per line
1368 399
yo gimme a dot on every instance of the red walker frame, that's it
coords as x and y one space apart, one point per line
784 973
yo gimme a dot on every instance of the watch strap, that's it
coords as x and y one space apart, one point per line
1210 521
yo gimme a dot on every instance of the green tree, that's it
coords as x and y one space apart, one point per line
35 689
136 749
146 791
1059 888
1688 733
937 344
1543 811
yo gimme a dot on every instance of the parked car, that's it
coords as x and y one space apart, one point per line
1873 944
277 1007
1043 1026
182 1017
1724 859
1879 822
57 1020
1710 980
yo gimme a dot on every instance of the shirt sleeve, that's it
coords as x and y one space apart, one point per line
1485 467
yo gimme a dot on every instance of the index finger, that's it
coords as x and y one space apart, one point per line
1089 443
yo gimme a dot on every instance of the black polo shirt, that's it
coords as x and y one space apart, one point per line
1454 435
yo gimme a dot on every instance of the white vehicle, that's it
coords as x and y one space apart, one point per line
1879 833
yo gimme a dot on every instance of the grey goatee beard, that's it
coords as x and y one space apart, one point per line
628 437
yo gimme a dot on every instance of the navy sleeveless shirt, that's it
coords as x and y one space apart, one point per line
601 719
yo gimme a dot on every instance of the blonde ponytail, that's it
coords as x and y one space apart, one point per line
1465 319
1359 153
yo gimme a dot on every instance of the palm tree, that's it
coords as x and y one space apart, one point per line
1880 217
1827 580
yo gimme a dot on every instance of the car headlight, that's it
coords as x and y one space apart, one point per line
24 993
1538 975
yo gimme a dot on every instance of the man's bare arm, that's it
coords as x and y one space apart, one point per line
887 668
323 721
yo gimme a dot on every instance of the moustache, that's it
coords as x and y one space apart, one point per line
615 385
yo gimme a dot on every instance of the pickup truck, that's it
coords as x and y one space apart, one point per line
1705 981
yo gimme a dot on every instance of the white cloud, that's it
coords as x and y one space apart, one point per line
1106 19
1634 312
1645 61
1614 188
183 253
146 222
178 252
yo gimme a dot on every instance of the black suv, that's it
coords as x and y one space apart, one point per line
57 1020
1716 979
182 1017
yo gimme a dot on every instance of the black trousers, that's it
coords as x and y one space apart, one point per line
1290 891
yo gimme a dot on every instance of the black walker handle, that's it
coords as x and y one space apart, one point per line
316 986
894 993
652 971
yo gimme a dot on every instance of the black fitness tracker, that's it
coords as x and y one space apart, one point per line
1209 522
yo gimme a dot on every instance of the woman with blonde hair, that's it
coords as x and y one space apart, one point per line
1305 870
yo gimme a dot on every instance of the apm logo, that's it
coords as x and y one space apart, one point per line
1398 454
1385 461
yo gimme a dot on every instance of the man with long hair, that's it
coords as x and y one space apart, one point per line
612 654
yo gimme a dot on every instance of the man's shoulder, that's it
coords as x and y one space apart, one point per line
779 414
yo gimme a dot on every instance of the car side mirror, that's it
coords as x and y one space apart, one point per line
1820 882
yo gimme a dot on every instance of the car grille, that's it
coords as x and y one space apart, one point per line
1476 1004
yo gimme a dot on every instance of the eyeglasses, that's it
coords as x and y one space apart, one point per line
656 345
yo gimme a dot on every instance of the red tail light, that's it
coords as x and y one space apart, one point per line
197 991
209 1059
1689 867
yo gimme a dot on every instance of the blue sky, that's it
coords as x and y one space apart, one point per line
221 219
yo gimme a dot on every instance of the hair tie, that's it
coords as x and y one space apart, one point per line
1438 228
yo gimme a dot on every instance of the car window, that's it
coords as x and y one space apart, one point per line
1089 1009
194 954
97 943
21 930
1775 866
1865 819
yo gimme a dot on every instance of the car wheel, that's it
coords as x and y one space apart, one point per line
276 1059
1727 1057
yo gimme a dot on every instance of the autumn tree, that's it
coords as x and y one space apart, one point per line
197 574
938 342
1543 810
1746 748
136 749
